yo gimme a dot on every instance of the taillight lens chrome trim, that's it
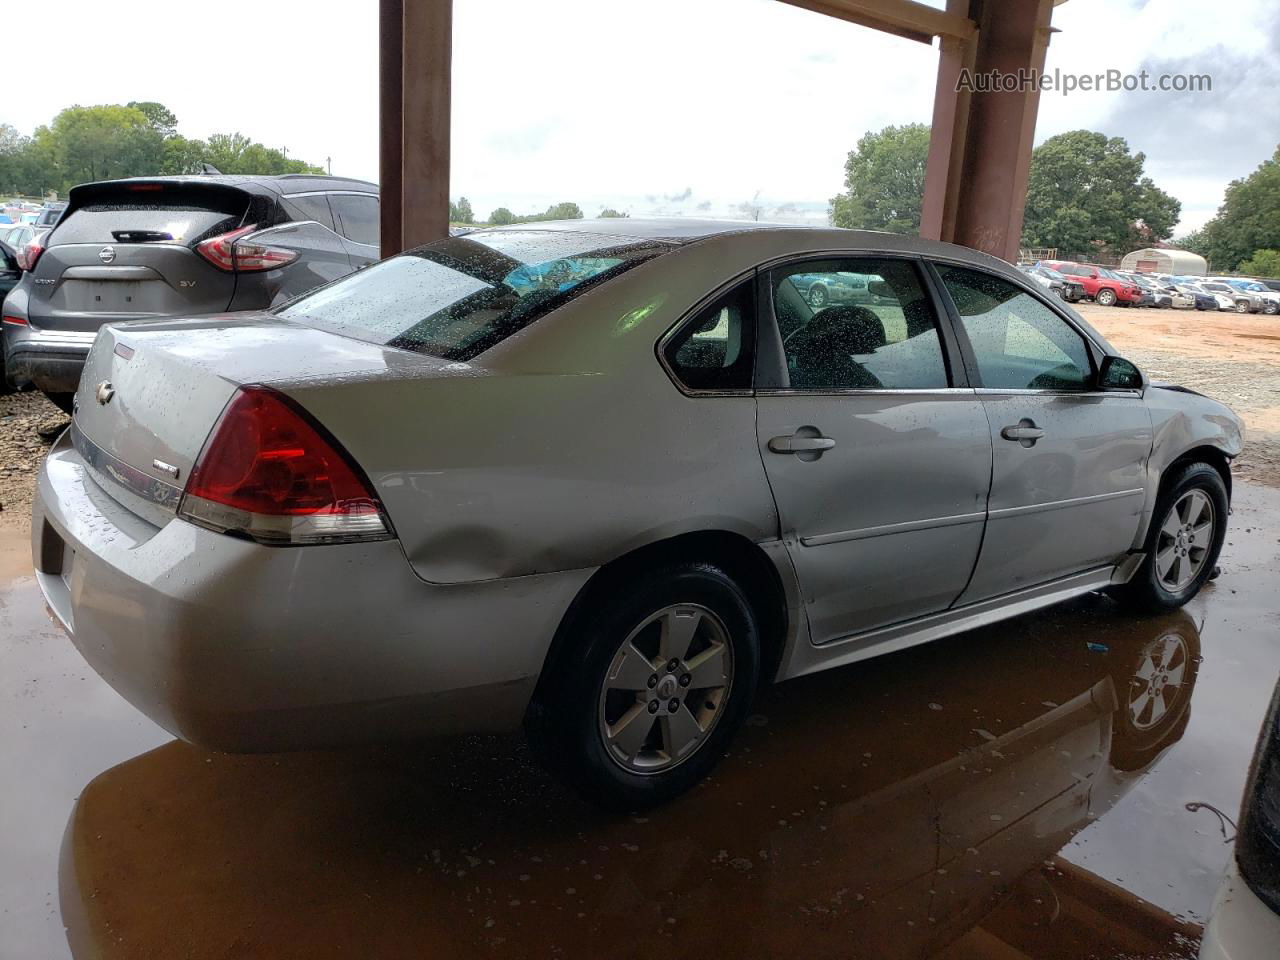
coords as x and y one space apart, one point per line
284 530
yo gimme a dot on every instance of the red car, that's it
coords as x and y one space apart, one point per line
1100 284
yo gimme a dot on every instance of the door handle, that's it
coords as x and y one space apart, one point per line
1024 432
798 444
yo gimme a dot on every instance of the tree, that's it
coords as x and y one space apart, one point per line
461 211
609 212
1086 193
1263 263
102 143
236 153
563 211
884 181
158 115
501 217
1195 241
1249 218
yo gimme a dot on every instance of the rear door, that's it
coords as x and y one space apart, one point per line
358 219
877 451
1069 466
312 233
127 250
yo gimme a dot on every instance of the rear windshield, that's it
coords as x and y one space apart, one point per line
142 216
458 297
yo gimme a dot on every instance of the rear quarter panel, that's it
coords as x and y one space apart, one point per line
564 447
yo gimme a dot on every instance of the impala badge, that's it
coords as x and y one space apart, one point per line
105 392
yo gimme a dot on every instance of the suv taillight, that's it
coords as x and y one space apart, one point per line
29 254
1258 839
271 473
230 251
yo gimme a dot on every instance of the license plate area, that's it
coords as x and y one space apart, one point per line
107 296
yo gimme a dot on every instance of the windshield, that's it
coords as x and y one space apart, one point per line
457 297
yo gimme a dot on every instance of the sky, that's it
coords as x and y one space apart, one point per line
694 107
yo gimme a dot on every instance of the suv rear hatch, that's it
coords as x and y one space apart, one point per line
127 249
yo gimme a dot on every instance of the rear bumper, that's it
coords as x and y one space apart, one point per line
47 360
242 647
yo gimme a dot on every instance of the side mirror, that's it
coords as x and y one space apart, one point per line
1117 373
878 288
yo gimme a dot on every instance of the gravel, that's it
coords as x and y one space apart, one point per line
28 426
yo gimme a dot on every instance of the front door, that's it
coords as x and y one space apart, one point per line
878 458
1069 467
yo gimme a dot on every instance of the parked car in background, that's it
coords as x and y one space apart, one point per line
1161 295
1261 297
1242 300
18 236
49 215
167 246
1067 288
1204 299
1268 282
823 289
224 476
1103 287
1245 921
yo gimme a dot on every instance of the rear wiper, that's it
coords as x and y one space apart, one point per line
140 236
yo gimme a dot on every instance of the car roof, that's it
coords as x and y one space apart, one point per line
682 230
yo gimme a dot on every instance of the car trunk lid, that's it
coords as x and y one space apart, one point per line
152 391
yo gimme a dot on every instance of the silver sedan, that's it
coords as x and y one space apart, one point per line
602 479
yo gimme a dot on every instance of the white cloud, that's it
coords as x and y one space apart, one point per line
601 104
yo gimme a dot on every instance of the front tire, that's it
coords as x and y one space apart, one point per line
818 296
1242 306
655 679
1106 297
1188 528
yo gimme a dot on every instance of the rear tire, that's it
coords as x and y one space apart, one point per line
818 296
1242 306
615 719
1181 548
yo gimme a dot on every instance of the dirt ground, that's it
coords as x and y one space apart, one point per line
1232 358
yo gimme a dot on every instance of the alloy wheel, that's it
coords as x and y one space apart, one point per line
818 298
665 689
1185 539
1157 683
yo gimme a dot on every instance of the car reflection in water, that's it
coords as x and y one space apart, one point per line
908 807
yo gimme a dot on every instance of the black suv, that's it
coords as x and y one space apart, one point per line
156 247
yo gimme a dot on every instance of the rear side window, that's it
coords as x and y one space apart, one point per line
713 350
170 216
357 216
312 207
458 297
857 325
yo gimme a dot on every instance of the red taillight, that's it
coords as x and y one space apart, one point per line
270 472
229 251
17 321
29 254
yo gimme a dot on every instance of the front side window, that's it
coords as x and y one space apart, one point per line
457 297
712 351
1018 342
857 324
